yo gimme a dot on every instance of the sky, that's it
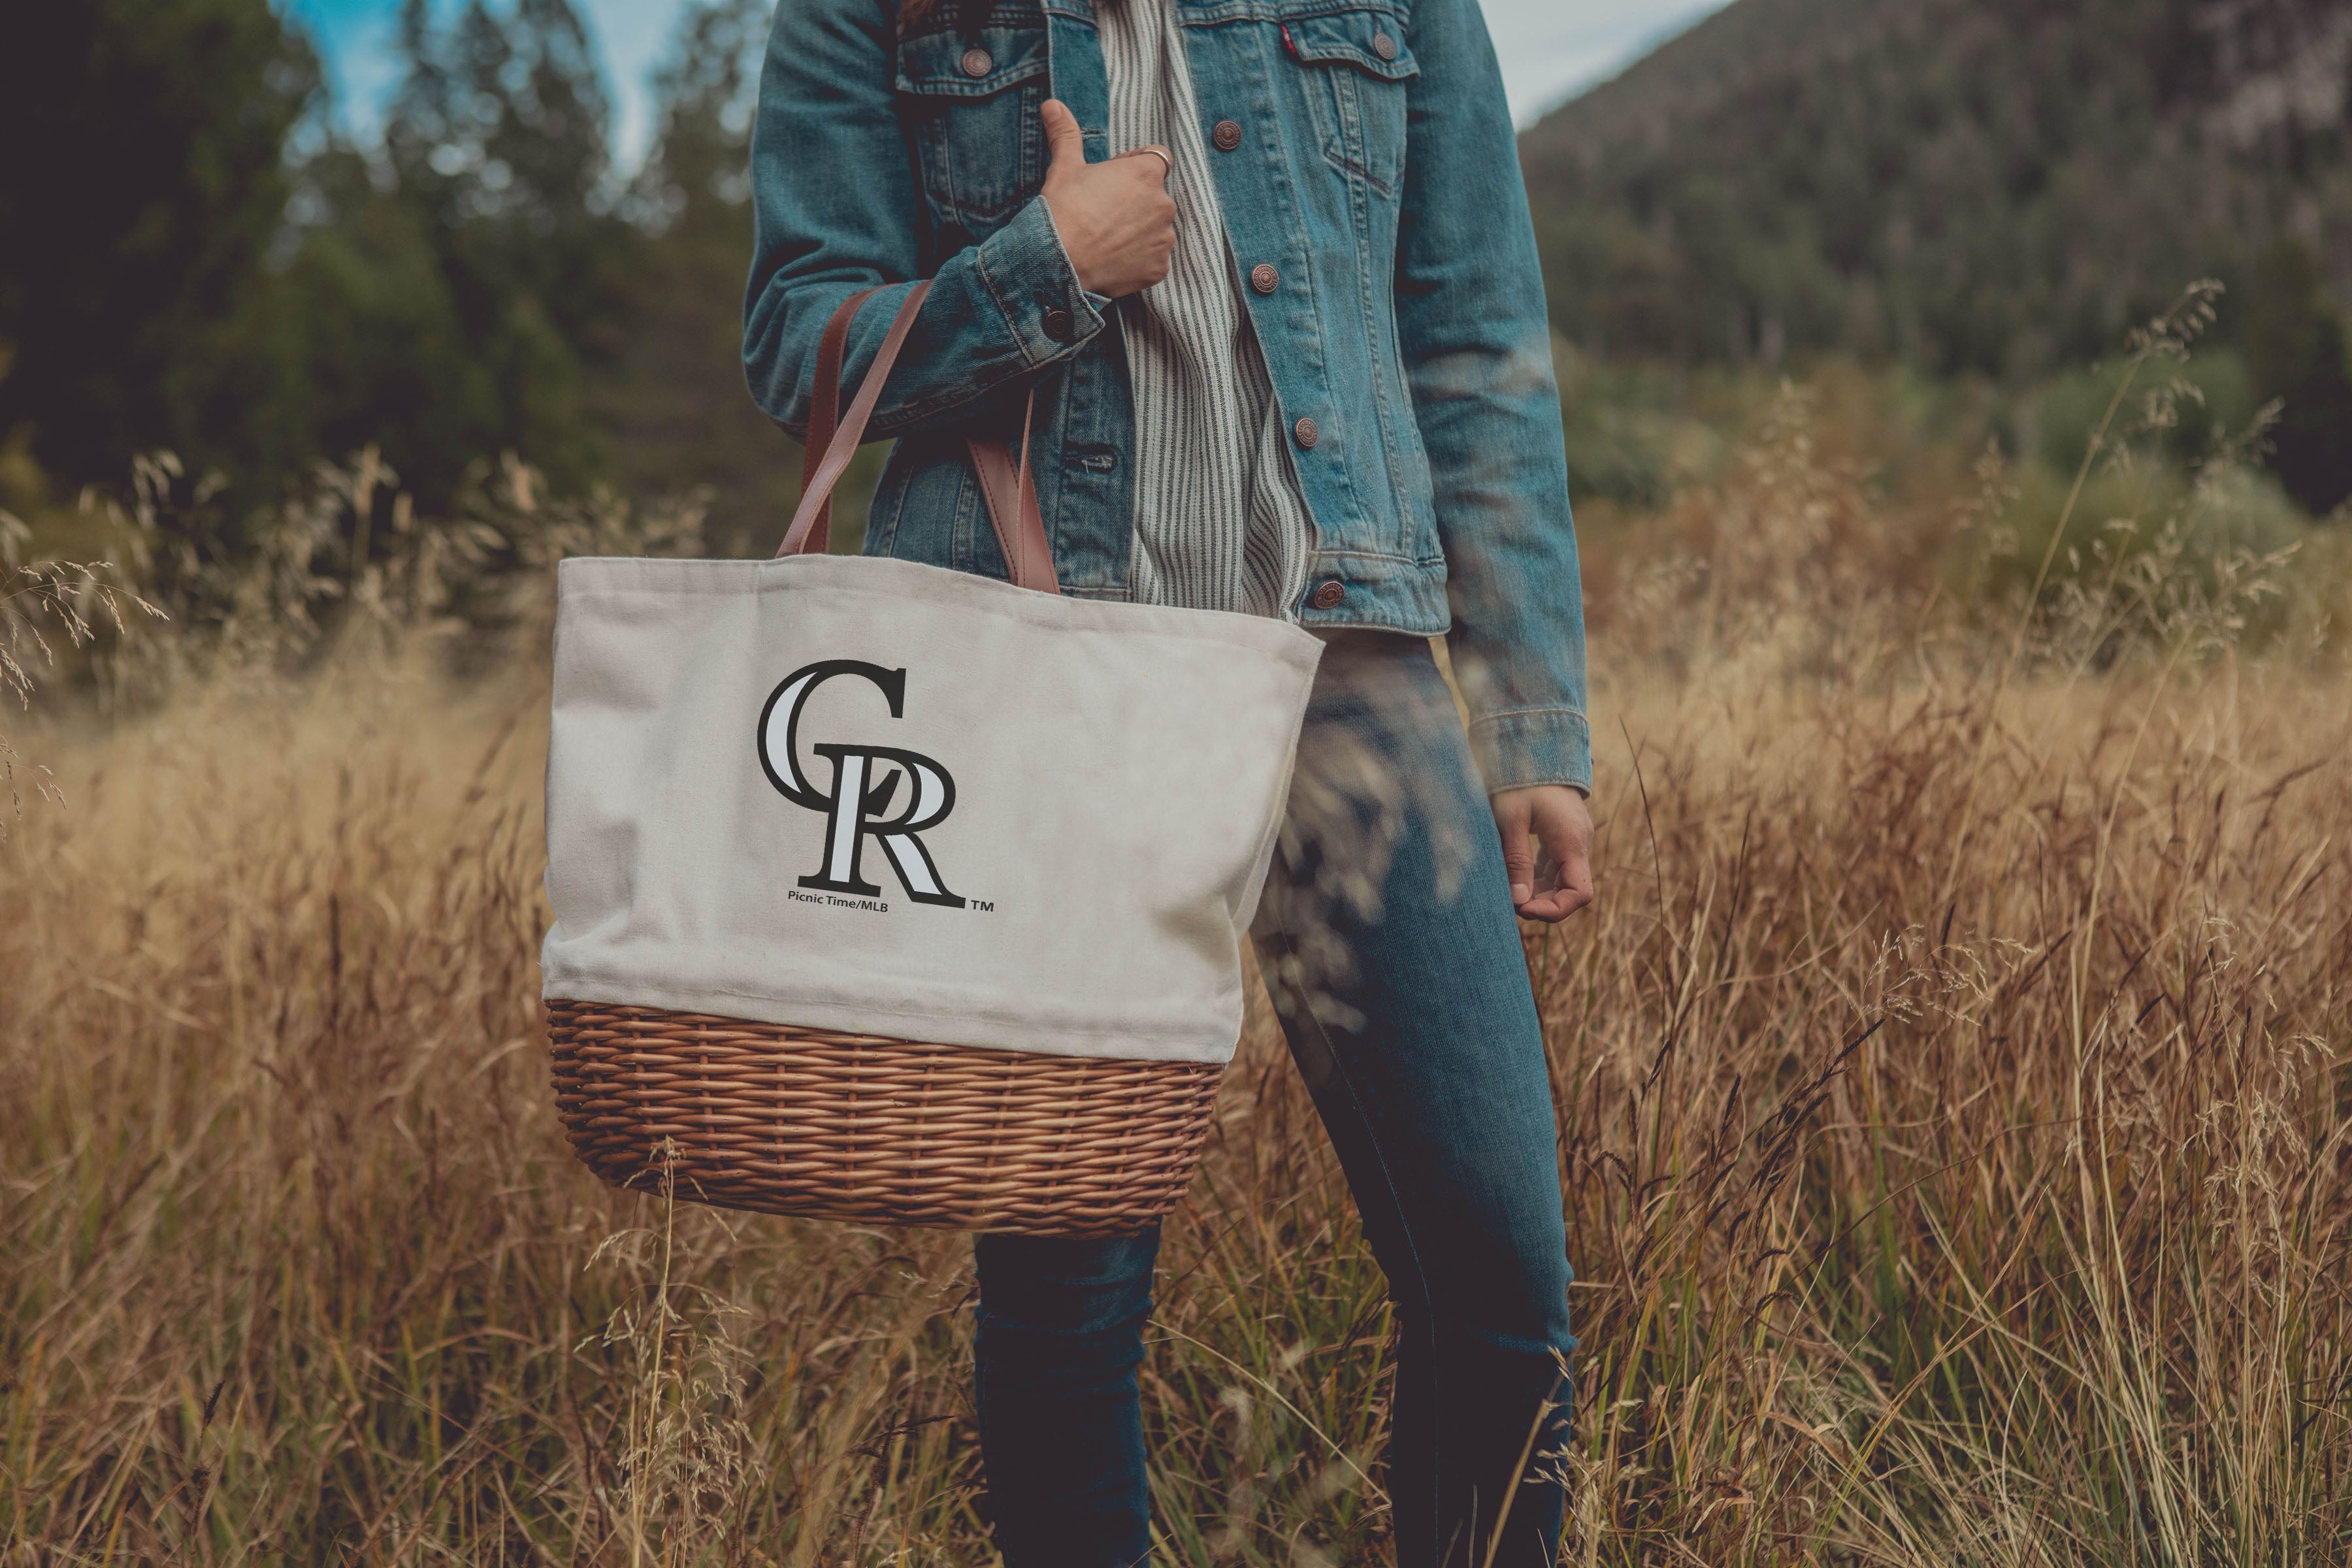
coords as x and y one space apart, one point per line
1550 48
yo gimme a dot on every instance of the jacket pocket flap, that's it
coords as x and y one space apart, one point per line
1371 41
957 65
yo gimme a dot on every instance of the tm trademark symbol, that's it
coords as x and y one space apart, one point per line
982 907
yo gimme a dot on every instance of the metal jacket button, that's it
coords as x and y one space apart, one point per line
1265 278
978 62
1383 46
1308 432
1059 325
1227 135
1331 595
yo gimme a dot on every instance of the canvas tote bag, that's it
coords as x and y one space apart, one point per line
892 893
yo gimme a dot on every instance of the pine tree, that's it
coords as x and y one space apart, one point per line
2298 354
143 188
675 401
499 142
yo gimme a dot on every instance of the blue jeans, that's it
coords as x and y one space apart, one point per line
1388 940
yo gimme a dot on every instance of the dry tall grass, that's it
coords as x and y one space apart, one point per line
1951 1081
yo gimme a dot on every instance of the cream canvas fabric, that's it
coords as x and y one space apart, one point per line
879 796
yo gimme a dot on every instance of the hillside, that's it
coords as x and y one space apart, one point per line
1997 186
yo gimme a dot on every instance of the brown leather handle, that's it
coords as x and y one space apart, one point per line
816 489
1010 491
825 410
1005 483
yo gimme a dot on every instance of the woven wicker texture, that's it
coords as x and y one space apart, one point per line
852 1127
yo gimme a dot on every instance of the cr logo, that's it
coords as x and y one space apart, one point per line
858 801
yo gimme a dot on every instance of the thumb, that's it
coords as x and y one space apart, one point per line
1518 857
1065 144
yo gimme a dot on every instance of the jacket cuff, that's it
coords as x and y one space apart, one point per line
1533 746
1028 274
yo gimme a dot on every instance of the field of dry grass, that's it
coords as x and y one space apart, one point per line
1956 1125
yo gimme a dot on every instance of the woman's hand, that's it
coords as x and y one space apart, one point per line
1557 816
1117 220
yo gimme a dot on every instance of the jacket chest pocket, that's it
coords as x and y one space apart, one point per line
1356 67
971 104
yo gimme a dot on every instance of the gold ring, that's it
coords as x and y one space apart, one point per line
1168 164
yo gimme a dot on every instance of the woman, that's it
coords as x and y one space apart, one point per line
1267 265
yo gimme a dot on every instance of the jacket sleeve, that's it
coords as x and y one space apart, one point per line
1476 344
835 209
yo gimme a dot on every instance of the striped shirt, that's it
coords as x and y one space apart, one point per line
1220 523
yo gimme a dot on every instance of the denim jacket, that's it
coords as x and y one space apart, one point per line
1369 181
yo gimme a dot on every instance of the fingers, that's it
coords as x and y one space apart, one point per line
1559 903
1117 220
1557 817
1511 815
1065 143
1562 822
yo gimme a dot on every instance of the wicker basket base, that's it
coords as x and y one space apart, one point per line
852 1127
